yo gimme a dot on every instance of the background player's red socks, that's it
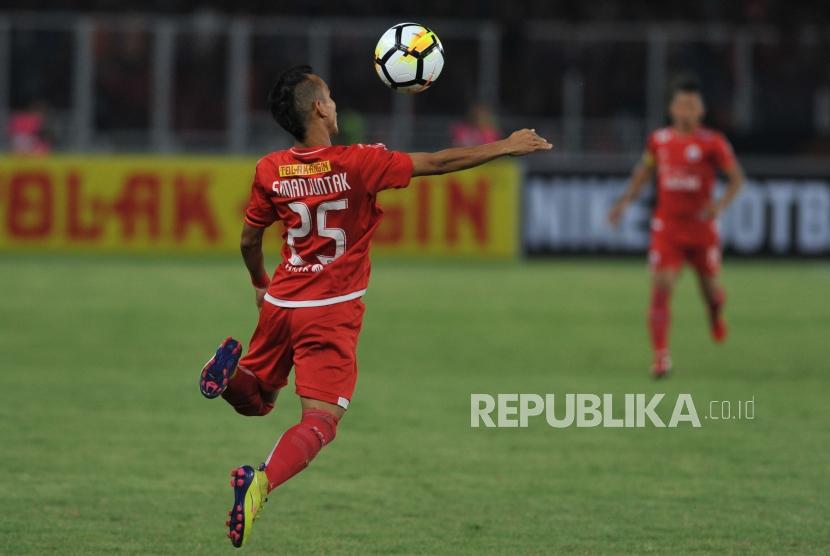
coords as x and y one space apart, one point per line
716 323
659 316
716 303
298 446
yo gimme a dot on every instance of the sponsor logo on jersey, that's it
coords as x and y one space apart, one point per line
678 180
320 167
681 182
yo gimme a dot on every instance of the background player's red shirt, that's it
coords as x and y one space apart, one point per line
687 165
326 197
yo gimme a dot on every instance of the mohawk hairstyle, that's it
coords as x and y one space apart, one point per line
290 100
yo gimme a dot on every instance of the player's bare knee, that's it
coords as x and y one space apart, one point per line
313 404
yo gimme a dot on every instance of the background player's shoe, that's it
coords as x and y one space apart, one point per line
218 371
717 326
662 364
250 488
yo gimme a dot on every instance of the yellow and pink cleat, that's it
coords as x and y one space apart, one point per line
250 488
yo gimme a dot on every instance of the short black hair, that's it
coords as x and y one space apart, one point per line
686 84
290 99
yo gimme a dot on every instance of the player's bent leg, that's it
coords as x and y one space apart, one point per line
265 367
659 319
218 371
247 396
706 260
715 298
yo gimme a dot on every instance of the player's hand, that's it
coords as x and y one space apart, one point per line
711 211
260 296
615 214
526 141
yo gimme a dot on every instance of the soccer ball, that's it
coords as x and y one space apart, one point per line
409 57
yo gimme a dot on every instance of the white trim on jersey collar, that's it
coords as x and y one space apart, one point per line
313 302
304 154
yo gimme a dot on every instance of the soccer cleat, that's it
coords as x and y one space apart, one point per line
717 324
718 329
662 364
250 488
218 371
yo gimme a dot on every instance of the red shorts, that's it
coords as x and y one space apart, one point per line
319 342
671 247
666 253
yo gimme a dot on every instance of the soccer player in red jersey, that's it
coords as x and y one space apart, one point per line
685 159
311 309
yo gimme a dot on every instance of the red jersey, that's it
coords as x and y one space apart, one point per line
326 197
687 165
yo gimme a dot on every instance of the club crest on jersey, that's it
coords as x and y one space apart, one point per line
693 153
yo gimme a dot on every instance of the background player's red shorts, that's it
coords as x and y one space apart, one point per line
319 342
671 247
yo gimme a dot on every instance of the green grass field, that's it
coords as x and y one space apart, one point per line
108 448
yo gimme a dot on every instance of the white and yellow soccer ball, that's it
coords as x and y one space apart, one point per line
409 57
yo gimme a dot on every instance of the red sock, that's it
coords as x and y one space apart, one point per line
245 394
298 446
659 316
716 303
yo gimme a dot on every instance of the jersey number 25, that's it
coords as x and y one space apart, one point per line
304 229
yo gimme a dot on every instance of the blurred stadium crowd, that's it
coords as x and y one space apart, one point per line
764 65
778 12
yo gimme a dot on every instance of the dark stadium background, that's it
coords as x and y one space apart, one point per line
763 64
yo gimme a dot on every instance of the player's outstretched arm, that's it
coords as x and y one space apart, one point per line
642 174
520 143
251 247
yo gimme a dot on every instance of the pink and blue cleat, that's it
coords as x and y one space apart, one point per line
218 371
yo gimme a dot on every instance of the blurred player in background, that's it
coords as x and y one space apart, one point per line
685 159
28 130
311 310
478 128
